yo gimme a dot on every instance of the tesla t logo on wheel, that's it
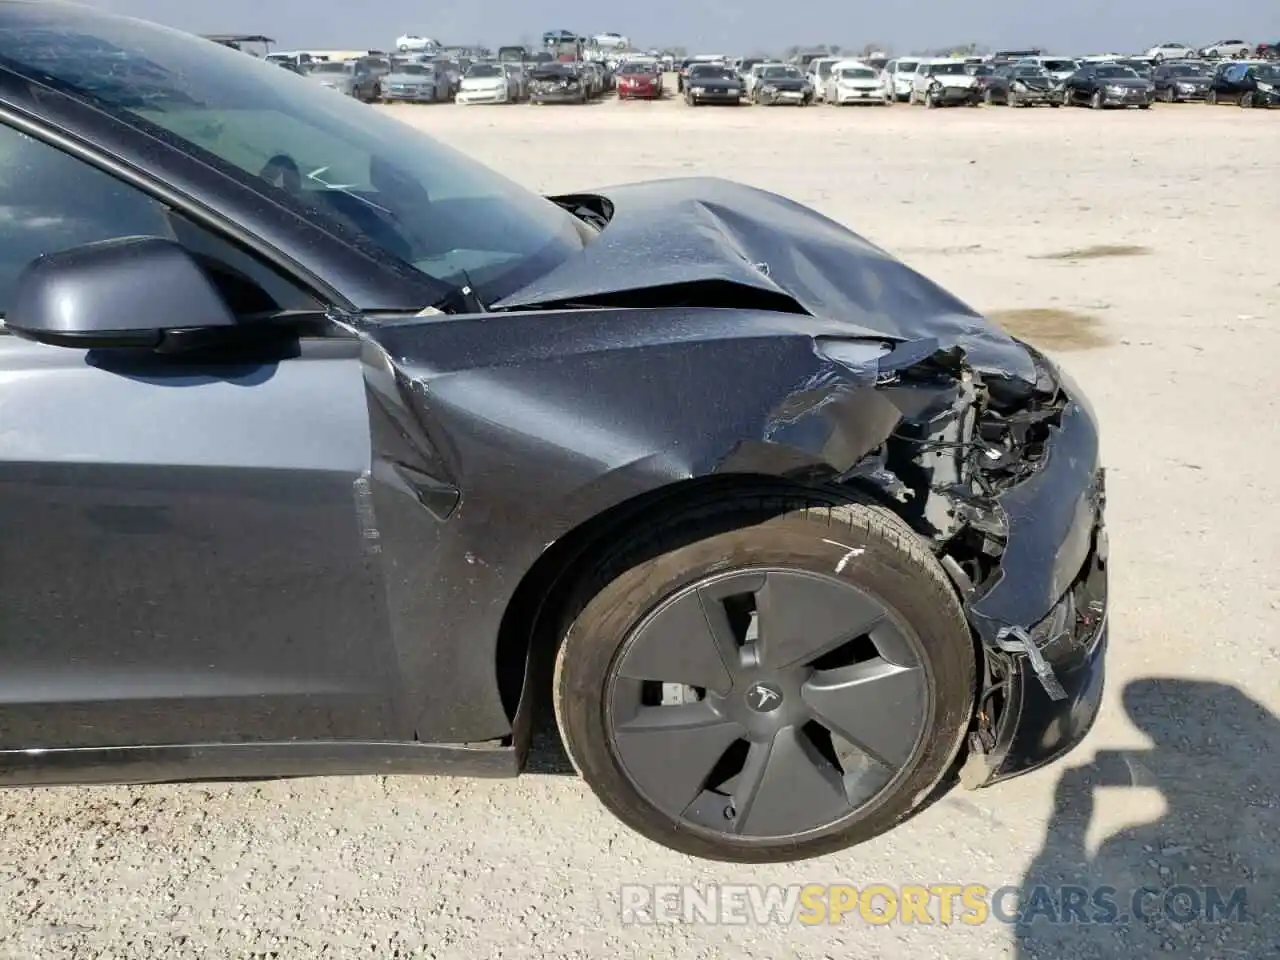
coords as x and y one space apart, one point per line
763 697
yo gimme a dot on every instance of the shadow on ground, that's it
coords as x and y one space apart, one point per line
1216 766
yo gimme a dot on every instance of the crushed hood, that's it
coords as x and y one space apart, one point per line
682 233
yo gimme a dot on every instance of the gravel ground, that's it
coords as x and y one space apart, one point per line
1140 248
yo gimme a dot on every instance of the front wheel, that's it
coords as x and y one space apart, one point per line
1246 99
801 699
1096 100
1211 98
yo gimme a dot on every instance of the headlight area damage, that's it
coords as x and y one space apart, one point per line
1002 480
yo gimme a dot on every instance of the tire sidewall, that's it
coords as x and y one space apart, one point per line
596 638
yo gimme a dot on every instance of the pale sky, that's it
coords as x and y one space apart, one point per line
730 26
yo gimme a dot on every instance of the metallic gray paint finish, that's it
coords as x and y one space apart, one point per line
182 560
209 563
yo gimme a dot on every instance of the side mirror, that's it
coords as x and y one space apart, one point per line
128 292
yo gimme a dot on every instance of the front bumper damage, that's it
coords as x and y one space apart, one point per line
778 96
950 95
1035 96
1006 485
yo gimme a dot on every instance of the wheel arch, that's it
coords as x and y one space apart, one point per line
529 631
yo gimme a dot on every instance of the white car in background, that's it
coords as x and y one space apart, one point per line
1170 51
412 42
1227 50
898 75
488 83
945 81
819 71
852 81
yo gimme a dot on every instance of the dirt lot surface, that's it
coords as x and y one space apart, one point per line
1140 248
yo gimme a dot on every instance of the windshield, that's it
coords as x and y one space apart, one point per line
554 71
412 69
484 70
712 73
824 68
381 185
908 66
948 70
1029 72
637 68
1187 70
1116 73
774 73
857 73
1060 66
1267 71
331 68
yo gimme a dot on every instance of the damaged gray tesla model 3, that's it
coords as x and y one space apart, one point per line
333 452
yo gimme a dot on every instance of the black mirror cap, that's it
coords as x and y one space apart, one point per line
125 292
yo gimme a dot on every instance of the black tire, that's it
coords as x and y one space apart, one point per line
805 538
1095 102
1246 99
988 98
1211 98
1011 98
929 102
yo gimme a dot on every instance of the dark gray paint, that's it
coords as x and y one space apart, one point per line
324 546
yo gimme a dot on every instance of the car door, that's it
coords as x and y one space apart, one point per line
187 553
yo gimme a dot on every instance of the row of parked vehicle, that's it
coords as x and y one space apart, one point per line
1018 81
416 77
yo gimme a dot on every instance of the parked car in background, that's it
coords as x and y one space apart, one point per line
897 77
852 81
1170 51
1246 84
1143 67
639 81
1025 84
752 78
1181 80
449 73
410 82
743 67
516 76
488 83
712 83
411 42
944 82
348 77
1108 85
782 83
558 82
818 72
1059 68
1227 49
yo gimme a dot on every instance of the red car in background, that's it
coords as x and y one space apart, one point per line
639 81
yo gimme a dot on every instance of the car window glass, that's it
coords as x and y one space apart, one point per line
51 201
359 173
